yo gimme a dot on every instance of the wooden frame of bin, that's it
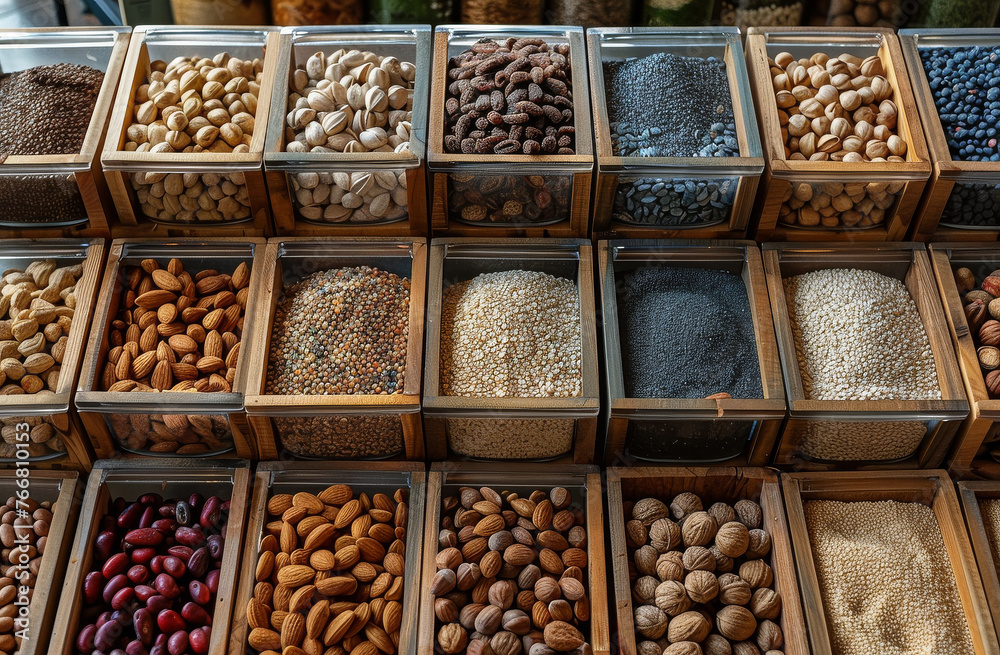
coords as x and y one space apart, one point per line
984 410
946 172
969 494
577 224
93 187
759 450
436 405
102 440
406 404
78 453
722 484
932 488
286 223
505 476
61 488
361 476
780 173
602 225
154 476
919 280
114 159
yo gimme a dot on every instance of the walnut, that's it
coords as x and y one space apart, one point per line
749 513
716 645
765 604
644 590
722 513
723 564
757 573
745 648
698 558
479 646
734 590
645 560
672 598
689 626
699 529
664 535
683 648
635 533
769 636
702 586
684 504
670 566
648 648
505 643
452 638
648 510
732 539
650 621
760 544
735 623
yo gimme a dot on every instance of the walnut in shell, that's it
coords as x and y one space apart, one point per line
651 621
702 586
699 529
749 514
732 539
648 510
672 598
670 566
664 535
684 504
688 626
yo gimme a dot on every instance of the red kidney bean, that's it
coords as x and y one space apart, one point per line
93 587
151 499
182 512
158 603
166 511
117 563
159 650
178 643
216 544
226 505
121 599
144 592
112 587
192 537
144 626
123 616
166 586
161 640
212 580
103 545
199 639
135 647
129 518
148 516
138 574
169 621
118 651
156 564
144 537
108 523
198 562
174 566
165 525
195 501
85 640
142 555
195 614
118 505
200 593
211 512
181 551
102 619
106 636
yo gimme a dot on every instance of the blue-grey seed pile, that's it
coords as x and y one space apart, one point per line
666 105
674 202
974 204
965 83
686 333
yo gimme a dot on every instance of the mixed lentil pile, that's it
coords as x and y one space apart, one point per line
885 578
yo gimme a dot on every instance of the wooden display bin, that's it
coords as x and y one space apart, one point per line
571 420
938 218
171 478
970 494
824 434
314 426
60 488
410 43
733 179
56 408
111 418
783 176
565 179
313 477
720 484
583 482
74 180
741 431
981 428
151 43
932 488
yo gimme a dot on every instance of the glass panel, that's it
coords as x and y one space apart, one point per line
513 439
675 202
833 205
41 436
973 204
509 199
375 197
200 435
341 436
845 441
684 440
200 198
50 199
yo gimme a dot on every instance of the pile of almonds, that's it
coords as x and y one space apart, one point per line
982 312
511 574
21 535
330 574
175 332
706 569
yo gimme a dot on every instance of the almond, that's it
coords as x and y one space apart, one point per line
550 562
166 281
322 560
212 346
371 550
295 575
256 614
489 525
154 299
162 377
337 494
575 557
211 284
347 557
348 513
551 539
265 565
523 507
562 636
378 637
233 356
278 504
123 369
288 539
193 314
302 598
317 618
542 516
321 536
241 276
209 364
213 319
342 585
144 363
518 555
149 340
338 627
392 616
394 564
293 630
264 639
182 344
170 329
183 371
312 504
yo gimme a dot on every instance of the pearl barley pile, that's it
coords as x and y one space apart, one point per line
859 336
887 584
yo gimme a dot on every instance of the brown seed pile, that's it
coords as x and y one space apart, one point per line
886 580
330 574
508 98
990 509
704 582
21 535
511 573
509 198
341 436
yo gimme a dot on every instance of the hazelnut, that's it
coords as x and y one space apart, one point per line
664 535
698 558
468 576
445 610
748 513
672 598
689 626
735 623
765 603
732 539
701 586
993 384
769 636
684 504
650 621
699 529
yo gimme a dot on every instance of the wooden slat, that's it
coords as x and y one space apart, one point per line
970 494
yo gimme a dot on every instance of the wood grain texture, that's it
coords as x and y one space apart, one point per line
970 494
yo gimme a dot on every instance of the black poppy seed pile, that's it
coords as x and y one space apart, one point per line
341 331
687 333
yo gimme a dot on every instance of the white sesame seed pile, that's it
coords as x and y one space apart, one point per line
859 336
861 440
510 438
885 578
990 509
511 334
